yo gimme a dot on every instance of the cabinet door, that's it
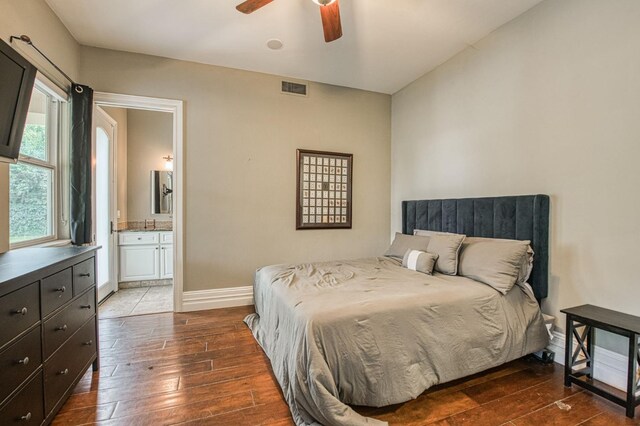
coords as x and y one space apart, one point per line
166 261
139 263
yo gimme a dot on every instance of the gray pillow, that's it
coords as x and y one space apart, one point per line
446 246
526 267
496 262
527 261
402 243
420 261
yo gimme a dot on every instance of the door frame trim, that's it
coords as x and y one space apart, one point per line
113 202
176 108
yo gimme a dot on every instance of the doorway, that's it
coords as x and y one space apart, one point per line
104 140
147 246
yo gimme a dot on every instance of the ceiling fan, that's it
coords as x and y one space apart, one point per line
329 11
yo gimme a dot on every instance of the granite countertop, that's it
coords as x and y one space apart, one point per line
151 225
145 230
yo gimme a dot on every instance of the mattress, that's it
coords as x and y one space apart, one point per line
369 332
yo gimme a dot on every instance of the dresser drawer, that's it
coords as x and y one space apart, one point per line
67 363
84 276
56 291
26 407
58 328
20 310
19 360
166 238
138 238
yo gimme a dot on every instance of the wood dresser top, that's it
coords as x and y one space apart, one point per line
24 261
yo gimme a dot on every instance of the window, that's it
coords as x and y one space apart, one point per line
33 189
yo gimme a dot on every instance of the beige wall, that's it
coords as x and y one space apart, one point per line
120 117
241 134
150 138
35 19
549 103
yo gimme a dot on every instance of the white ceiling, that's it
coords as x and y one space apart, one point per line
386 44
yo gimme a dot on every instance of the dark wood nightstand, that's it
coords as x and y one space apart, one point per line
591 317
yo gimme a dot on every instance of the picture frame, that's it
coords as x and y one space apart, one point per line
323 189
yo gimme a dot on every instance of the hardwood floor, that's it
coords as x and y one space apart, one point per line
205 368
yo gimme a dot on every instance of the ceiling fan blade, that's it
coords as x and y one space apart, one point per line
252 5
331 21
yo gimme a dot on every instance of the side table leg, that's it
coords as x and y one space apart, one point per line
568 350
631 378
590 348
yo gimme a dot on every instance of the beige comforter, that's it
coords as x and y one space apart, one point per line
369 332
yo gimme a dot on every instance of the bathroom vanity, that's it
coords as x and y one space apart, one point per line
145 255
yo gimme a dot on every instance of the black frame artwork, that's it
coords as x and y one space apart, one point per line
323 191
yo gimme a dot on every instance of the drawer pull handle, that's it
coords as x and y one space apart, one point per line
62 328
26 417
88 274
89 343
85 306
24 361
22 311
63 372
62 289
139 238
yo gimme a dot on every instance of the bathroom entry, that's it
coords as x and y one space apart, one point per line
143 222
104 132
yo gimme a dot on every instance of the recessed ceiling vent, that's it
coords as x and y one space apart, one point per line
291 88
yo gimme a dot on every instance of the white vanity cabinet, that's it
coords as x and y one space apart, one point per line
166 255
145 255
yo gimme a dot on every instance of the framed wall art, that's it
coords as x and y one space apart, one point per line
323 198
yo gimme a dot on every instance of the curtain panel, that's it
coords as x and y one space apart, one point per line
80 161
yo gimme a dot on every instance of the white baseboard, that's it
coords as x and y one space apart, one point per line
217 298
609 367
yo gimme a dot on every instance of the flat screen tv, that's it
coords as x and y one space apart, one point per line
16 83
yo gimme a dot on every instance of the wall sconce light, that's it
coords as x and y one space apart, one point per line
168 164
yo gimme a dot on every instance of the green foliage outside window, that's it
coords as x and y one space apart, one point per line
30 188
34 142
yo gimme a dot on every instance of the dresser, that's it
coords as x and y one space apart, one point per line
48 332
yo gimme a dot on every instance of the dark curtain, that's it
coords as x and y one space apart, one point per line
80 160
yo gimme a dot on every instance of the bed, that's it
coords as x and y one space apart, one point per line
370 332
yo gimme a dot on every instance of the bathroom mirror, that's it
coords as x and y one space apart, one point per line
161 192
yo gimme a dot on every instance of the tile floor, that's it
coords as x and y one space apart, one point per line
137 301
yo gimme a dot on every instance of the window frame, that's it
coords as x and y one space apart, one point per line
57 132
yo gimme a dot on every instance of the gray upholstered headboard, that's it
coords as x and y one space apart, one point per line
523 217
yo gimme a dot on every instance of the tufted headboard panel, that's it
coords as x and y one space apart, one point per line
522 217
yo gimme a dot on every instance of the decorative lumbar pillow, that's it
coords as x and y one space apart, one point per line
420 261
446 246
496 262
402 243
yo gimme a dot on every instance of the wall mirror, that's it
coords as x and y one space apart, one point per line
161 192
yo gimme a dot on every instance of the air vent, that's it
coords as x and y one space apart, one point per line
292 88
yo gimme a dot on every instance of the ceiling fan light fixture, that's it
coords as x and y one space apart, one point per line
329 13
323 2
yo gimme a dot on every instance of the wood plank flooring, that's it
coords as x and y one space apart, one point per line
205 368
